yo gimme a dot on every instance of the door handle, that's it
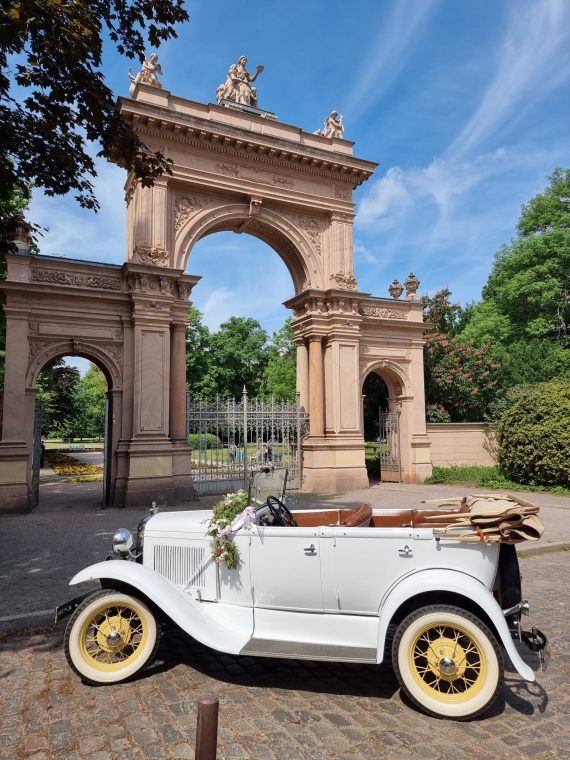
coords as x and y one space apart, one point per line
310 550
405 551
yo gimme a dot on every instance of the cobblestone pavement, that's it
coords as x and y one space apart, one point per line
273 708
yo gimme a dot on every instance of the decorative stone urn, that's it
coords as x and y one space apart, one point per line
396 289
412 284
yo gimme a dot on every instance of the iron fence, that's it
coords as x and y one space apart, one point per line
231 439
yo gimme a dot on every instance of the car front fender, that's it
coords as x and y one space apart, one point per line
214 625
434 581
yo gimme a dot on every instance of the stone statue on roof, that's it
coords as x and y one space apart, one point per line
148 73
334 126
238 84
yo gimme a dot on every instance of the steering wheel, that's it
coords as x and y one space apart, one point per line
281 513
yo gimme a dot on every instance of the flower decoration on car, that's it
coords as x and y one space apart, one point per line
229 515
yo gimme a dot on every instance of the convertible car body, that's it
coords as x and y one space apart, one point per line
352 585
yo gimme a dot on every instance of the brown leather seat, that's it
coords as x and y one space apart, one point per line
356 518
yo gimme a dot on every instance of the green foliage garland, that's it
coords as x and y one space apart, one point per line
224 549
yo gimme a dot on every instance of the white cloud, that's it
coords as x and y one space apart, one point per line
531 63
79 233
389 53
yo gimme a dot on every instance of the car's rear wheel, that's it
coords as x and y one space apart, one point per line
447 662
110 637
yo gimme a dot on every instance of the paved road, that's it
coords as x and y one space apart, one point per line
276 709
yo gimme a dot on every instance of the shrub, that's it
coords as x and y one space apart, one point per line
203 441
372 461
437 413
534 435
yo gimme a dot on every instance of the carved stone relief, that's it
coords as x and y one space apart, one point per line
184 291
282 182
336 216
345 281
184 207
75 279
141 282
255 206
230 170
383 313
342 193
157 257
310 225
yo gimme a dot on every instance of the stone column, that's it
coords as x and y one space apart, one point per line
303 373
178 382
316 388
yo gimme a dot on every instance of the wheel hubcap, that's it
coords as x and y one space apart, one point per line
447 666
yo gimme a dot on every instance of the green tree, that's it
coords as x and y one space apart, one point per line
238 357
527 295
280 374
461 378
90 405
55 50
525 308
57 390
199 378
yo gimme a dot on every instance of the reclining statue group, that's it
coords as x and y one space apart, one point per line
238 88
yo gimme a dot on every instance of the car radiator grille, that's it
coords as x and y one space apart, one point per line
181 564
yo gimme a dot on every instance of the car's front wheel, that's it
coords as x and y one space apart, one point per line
447 661
110 637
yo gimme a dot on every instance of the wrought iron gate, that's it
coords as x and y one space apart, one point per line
36 454
231 439
390 446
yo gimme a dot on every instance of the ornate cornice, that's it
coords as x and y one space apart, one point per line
233 147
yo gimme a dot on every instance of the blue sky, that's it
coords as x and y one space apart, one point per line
465 106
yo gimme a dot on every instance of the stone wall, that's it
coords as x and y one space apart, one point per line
460 443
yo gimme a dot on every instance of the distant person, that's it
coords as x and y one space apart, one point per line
42 452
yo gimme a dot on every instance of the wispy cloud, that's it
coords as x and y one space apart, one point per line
445 220
389 53
532 62
364 253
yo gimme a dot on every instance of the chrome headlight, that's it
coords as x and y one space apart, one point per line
140 531
122 542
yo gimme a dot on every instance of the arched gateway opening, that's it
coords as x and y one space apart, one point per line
232 169
73 430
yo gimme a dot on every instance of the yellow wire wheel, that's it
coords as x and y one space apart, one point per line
110 637
447 661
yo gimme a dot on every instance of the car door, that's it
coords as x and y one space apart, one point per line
359 565
285 569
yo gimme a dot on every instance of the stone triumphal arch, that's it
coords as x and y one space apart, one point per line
233 169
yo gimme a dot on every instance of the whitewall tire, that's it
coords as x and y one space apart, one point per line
110 637
448 662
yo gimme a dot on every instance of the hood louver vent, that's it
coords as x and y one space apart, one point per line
182 565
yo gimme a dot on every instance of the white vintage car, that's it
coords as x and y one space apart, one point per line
351 585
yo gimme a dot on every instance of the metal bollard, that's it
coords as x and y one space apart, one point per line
207 728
